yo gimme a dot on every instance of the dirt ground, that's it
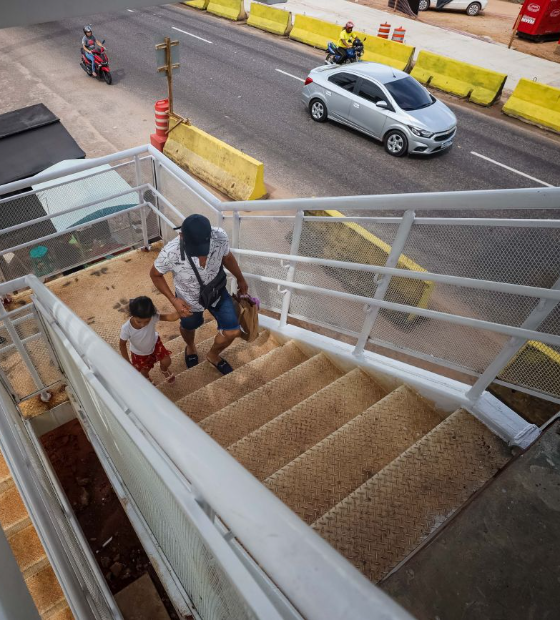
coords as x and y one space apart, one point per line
494 24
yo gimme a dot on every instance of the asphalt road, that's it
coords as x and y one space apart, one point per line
242 86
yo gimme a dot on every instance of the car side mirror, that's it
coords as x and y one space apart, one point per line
382 104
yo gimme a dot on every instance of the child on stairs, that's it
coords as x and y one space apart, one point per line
146 347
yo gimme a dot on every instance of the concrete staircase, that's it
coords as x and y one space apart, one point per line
28 551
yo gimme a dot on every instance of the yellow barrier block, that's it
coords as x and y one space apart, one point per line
198 4
314 32
376 49
537 366
225 168
535 103
351 242
479 85
230 9
272 20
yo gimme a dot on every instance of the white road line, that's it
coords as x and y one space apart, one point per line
290 75
192 35
527 176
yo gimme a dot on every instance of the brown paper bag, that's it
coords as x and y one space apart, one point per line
248 316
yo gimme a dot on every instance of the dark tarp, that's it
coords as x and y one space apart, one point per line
32 139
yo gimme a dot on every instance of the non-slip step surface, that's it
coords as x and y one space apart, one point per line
13 515
287 436
383 521
228 389
275 397
45 590
28 550
318 479
5 475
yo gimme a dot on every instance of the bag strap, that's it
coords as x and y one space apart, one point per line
195 271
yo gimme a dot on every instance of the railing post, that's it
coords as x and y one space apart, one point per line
144 210
294 251
510 349
235 241
383 281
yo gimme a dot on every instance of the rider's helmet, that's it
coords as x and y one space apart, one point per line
349 26
87 30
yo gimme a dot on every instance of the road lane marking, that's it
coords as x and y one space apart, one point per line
527 176
290 75
192 35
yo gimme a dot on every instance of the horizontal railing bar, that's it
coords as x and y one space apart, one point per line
44 218
168 203
436 221
262 217
522 388
351 218
21 246
160 215
498 328
485 285
86 164
31 338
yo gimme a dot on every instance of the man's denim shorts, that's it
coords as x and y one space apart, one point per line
225 315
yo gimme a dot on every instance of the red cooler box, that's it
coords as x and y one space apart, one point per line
540 19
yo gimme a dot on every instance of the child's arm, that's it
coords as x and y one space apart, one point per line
124 350
170 316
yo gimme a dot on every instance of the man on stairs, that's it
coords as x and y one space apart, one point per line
196 259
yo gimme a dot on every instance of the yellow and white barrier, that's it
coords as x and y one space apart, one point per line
225 168
230 9
198 4
314 32
479 85
272 20
535 103
376 49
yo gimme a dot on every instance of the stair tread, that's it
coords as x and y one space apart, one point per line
63 614
4 471
13 514
222 392
383 521
290 434
238 354
318 479
252 411
45 590
28 550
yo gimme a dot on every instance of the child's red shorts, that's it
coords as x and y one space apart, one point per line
149 361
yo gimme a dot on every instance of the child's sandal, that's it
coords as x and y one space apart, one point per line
169 376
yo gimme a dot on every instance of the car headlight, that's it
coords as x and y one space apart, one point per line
421 133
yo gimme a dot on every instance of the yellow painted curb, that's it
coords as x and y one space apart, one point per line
230 9
535 103
198 4
376 49
272 20
351 242
232 172
476 84
314 32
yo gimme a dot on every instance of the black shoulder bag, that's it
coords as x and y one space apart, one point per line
211 293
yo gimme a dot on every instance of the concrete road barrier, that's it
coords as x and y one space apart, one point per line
225 168
230 9
353 243
535 103
272 20
478 85
314 32
198 4
376 49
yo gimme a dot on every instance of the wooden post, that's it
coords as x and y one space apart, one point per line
169 73
515 28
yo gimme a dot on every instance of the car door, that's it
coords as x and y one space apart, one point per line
338 96
364 112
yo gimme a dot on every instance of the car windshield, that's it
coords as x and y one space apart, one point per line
409 95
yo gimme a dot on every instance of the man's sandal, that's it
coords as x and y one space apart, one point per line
169 376
222 366
191 360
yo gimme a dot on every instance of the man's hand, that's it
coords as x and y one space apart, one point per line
242 286
182 307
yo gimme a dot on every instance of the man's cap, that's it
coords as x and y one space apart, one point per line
196 230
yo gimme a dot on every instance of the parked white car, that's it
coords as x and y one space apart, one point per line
471 7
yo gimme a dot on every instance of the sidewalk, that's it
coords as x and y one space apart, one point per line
433 39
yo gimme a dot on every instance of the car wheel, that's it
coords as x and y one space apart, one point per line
396 143
474 8
318 110
424 5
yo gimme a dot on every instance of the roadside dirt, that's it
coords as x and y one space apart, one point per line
494 24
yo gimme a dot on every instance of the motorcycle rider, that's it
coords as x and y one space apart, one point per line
346 41
88 43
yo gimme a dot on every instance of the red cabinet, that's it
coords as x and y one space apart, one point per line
540 19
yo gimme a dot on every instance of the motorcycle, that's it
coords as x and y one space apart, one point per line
353 54
101 63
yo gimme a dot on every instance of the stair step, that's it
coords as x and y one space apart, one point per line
63 614
232 387
45 591
323 476
176 344
13 514
383 521
28 551
275 397
290 434
5 477
238 354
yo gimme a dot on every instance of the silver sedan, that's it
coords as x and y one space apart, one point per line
382 102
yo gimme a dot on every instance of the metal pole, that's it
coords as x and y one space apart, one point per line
383 281
169 74
510 349
235 241
144 210
294 250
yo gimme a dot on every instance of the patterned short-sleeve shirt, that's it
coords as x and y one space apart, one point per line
184 278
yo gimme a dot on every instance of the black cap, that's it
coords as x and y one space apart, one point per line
196 230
